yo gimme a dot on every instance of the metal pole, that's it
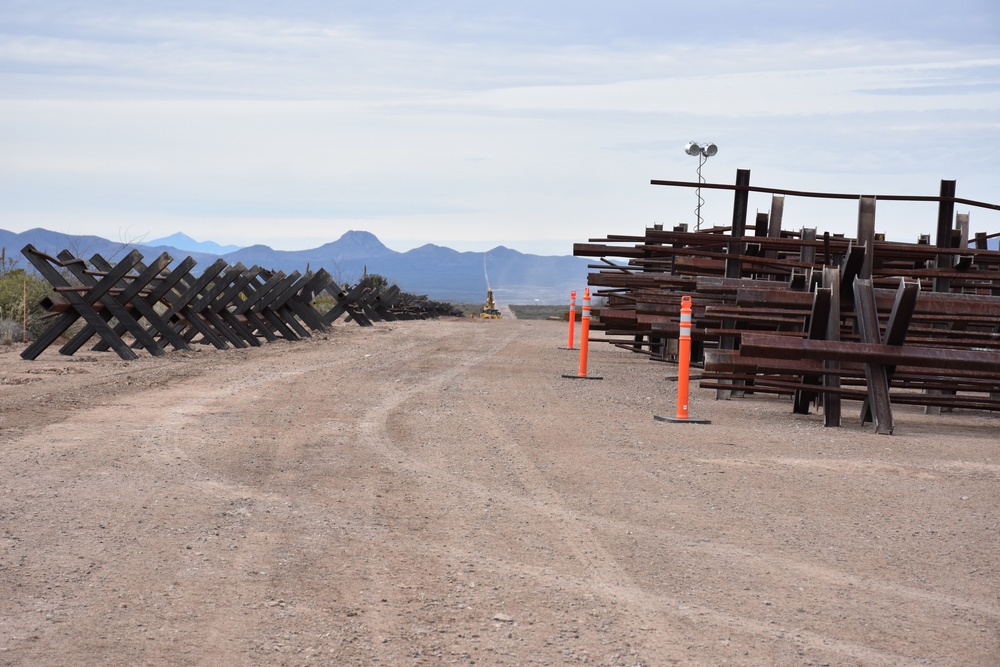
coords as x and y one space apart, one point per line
701 162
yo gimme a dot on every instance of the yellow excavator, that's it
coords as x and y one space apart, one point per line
489 311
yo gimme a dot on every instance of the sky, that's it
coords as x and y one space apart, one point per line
531 124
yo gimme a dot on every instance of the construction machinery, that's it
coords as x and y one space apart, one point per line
489 311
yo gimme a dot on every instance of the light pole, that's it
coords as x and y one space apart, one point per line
703 152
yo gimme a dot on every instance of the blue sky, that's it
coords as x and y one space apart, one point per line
474 124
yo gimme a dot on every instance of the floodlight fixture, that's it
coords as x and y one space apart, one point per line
702 152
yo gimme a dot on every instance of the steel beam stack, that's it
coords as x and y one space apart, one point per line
816 316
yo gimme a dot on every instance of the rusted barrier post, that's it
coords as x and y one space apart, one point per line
584 340
683 367
572 318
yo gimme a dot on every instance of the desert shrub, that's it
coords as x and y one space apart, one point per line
12 299
377 282
324 302
10 332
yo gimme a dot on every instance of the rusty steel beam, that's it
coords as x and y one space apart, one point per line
902 312
832 378
876 373
776 346
826 195
930 303
601 250
818 321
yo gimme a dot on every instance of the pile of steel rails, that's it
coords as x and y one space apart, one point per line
132 305
819 317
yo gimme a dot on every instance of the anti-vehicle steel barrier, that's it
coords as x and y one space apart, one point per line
129 305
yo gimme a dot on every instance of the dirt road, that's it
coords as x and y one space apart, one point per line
435 493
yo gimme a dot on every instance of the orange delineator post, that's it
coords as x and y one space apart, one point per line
572 317
584 333
584 340
683 369
684 358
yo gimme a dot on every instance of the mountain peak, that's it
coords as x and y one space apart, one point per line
182 241
360 238
177 237
358 244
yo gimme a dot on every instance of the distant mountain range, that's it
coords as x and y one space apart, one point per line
440 273
185 242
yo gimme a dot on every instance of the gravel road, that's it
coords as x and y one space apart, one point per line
435 493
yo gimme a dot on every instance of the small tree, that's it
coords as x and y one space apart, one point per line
378 282
17 285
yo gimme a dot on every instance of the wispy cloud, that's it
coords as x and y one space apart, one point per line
476 121
238 57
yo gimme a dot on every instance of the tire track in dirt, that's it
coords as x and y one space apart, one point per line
838 577
656 608
722 550
154 475
374 436
605 575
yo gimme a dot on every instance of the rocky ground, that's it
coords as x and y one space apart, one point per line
436 493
